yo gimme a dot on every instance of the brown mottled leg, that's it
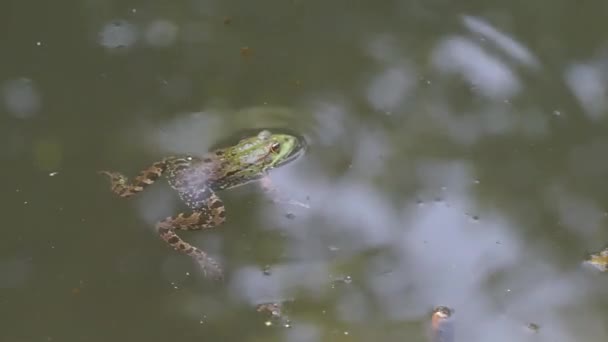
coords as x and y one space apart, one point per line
275 196
120 183
211 215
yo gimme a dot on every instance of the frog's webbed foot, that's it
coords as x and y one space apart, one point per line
120 184
276 197
210 215
209 266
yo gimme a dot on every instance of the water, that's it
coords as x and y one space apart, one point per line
456 157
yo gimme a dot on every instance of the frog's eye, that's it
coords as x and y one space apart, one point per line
275 147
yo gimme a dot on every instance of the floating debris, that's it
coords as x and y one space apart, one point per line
533 327
276 314
246 51
442 327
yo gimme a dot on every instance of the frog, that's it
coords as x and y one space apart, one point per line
197 179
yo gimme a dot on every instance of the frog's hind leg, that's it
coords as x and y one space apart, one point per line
120 184
209 213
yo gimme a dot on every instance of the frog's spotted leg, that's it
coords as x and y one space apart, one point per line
210 212
275 196
120 184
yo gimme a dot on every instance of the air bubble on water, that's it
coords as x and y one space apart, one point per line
117 34
53 174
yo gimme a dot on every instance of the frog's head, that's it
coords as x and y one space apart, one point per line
267 150
281 148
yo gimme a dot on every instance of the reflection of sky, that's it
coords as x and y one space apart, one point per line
436 252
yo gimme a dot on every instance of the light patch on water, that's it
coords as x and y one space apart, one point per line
357 211
21 98
389 89
439 256
189 133
589 88
444 257
370 152
509 45
250 284
491 77
330 118
161 33
454 176
541 294
118 34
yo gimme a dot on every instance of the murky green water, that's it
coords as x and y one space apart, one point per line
457 157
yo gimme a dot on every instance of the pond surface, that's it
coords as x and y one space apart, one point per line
456 157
